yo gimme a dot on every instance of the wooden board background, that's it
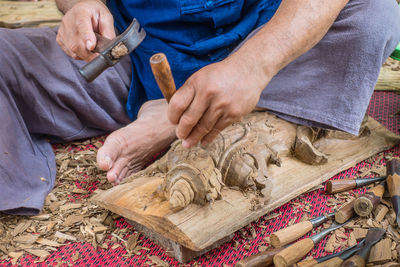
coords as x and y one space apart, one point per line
17 14
197 227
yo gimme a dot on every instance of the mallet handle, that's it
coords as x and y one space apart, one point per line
163 75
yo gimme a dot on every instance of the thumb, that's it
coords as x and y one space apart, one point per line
180 102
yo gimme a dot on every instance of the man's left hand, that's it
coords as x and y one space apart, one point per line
213 98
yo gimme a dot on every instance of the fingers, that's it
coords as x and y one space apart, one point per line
190 118
180 102
76 33
203 128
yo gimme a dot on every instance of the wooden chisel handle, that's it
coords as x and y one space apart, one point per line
294 253
345 212
393 184
337 186
163 75
262 259
290 234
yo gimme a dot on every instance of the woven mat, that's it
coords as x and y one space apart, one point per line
384 108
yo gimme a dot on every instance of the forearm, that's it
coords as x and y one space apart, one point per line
295 28
65 5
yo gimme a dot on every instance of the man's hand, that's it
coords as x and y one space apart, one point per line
222 93
213 98
76 33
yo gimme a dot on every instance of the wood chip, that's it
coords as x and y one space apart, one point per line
42 217
132 242
75 257
381 252
360 233
157 261
380 212
352 240
72 219
48 242
70 206
26 239
21 227
330 245
99 229
64 236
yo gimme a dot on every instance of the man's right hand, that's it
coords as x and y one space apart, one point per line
76 33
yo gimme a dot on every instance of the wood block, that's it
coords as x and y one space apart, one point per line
389 78
17 14
174 249
381 252
197 227
380 212
360 233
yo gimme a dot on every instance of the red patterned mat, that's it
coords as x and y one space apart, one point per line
384 108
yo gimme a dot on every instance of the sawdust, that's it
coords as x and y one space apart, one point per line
68 215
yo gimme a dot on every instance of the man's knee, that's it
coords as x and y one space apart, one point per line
378 24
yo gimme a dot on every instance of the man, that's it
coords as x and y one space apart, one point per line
310 62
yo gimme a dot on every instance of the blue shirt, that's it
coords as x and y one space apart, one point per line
192 33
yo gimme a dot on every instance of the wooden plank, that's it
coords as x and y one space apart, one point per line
389 76
197 227
17 14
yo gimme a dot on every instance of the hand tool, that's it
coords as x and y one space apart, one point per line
262 259
331 260
366 203
295 231
336 186
393 184
163 75
345 212
111 51
358 260
298 250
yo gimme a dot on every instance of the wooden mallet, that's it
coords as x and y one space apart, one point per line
365 204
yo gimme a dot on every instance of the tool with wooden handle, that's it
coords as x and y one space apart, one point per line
393 184
359 259
262 259
365 204
295 231
345 212
336 186
298 250
163 75
112 51
342 255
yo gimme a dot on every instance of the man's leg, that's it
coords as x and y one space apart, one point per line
43 96
331 85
